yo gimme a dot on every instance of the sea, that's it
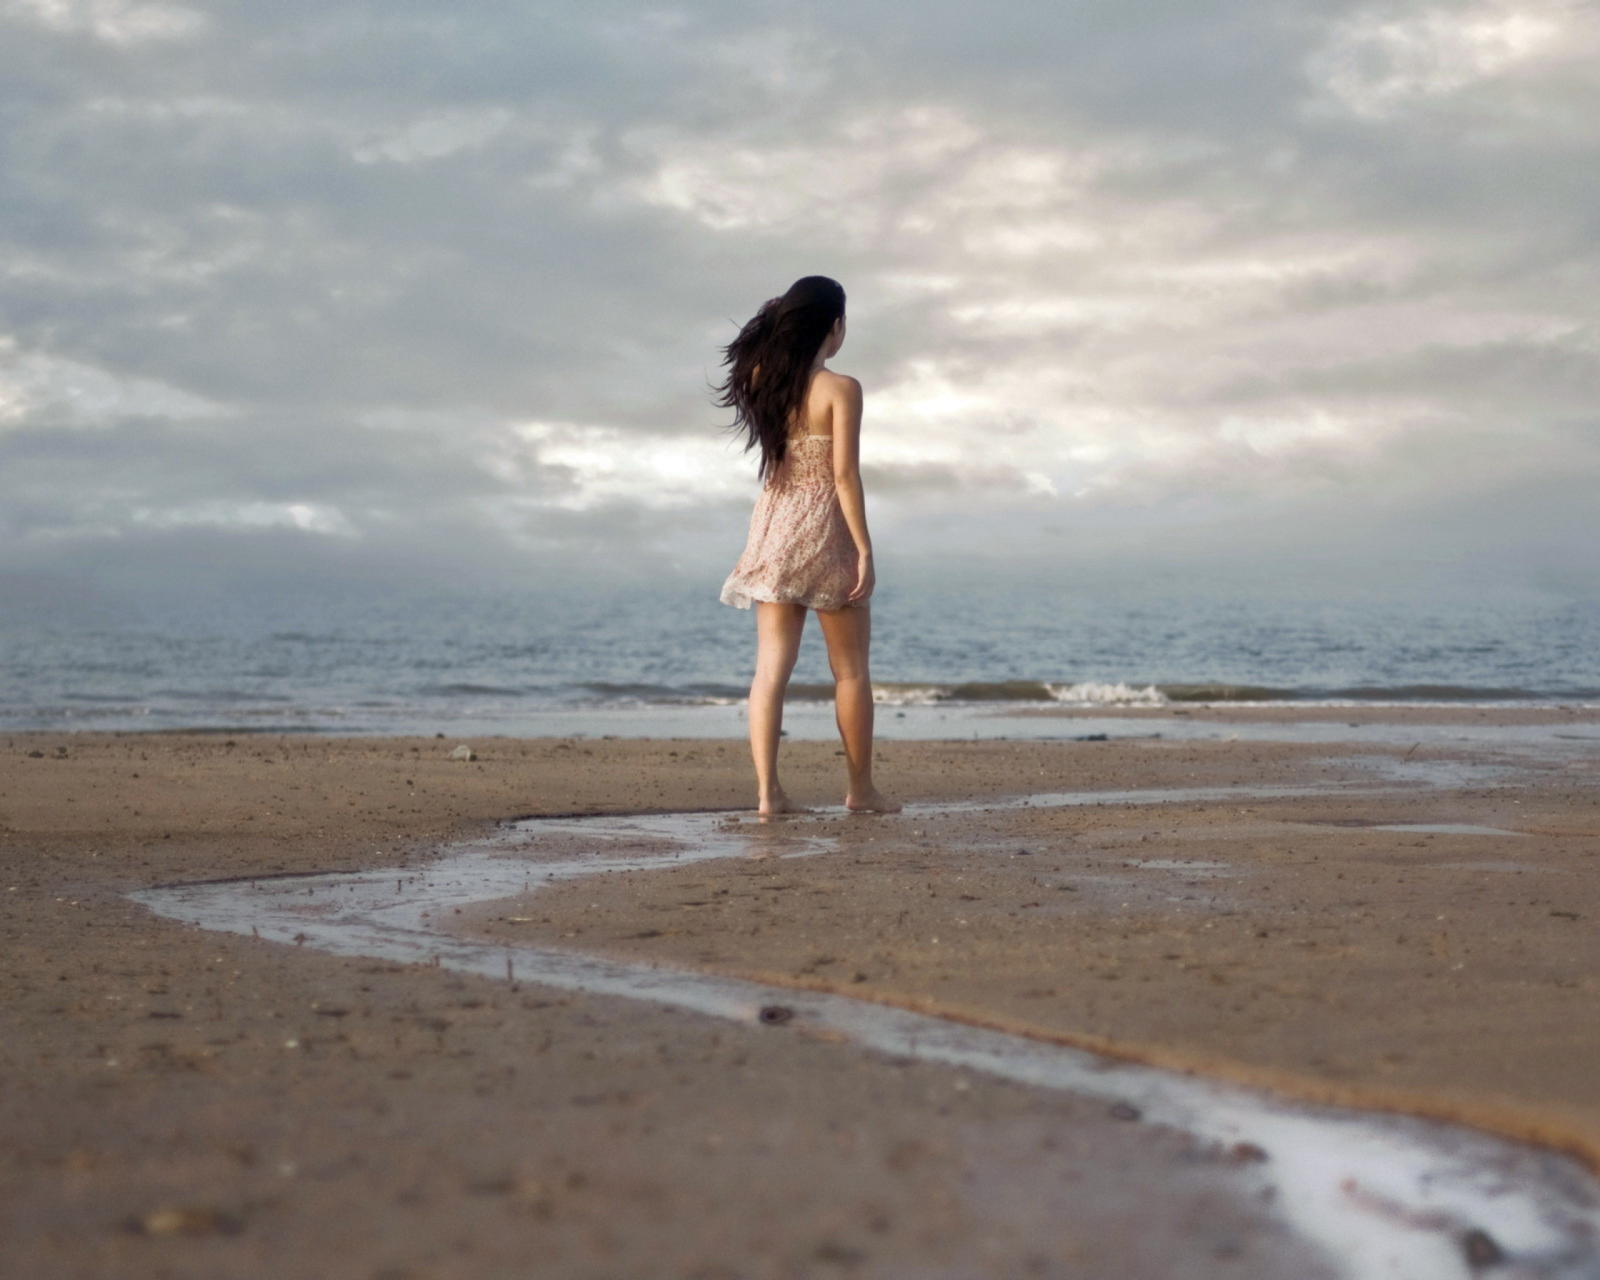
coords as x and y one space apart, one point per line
672 662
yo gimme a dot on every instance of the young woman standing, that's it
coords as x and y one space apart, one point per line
809 547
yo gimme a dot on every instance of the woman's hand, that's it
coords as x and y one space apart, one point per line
866 579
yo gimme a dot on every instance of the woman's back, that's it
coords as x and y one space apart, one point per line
815 417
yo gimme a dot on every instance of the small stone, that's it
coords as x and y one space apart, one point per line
1125 1111
775 1015
188 1220
463 752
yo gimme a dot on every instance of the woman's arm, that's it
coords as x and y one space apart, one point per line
847 479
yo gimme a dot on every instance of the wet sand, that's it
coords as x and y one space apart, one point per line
1331 948
354 1118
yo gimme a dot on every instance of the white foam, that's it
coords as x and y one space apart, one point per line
1091 693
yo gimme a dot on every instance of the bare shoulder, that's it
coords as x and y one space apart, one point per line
838 385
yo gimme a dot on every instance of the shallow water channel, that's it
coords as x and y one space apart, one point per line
1378 1195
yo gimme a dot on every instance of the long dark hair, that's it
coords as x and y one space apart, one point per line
769 364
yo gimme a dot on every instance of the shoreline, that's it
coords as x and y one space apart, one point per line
905 722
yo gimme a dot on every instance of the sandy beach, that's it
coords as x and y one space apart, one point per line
1409 928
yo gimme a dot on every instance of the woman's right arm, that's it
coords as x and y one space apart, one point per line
847 481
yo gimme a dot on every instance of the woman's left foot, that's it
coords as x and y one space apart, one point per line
870 800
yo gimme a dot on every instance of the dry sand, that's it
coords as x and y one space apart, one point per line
340 1118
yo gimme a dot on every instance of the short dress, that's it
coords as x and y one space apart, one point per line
800 549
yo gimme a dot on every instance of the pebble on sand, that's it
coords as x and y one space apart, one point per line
188 1220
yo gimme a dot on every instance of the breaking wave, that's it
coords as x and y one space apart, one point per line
1088 693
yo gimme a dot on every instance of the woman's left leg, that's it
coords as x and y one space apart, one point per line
778 628
849 636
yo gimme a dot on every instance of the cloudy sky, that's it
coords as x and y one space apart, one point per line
1193 286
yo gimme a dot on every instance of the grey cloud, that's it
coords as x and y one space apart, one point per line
313 220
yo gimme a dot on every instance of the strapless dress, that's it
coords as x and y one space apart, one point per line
800 550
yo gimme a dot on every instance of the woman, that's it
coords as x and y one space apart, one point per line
808 547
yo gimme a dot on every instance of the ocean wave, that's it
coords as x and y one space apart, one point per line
468 690
692 695
1086 693
217 697
1091 693
1229 693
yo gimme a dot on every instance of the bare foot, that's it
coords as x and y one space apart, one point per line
870 800
779 806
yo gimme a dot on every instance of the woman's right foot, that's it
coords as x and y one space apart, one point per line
777 805
870 800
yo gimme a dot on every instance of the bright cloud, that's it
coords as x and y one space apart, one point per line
583 467
1086 329
38 389
307 517
435 137
123 22
1385 57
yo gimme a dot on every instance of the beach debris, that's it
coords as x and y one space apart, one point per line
1481 1250
509 1185
187 1220
36 755
463 752
1125 1111
775 1015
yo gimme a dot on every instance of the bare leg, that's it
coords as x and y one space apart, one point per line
849 636
778 628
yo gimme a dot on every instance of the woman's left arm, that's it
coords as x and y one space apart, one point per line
847 482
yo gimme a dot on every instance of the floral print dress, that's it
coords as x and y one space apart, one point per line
800 549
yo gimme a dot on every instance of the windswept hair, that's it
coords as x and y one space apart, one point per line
769 364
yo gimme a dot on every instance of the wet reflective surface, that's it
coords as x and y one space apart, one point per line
1384 1196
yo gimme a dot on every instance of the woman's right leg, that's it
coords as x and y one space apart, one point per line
778 628
849 636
